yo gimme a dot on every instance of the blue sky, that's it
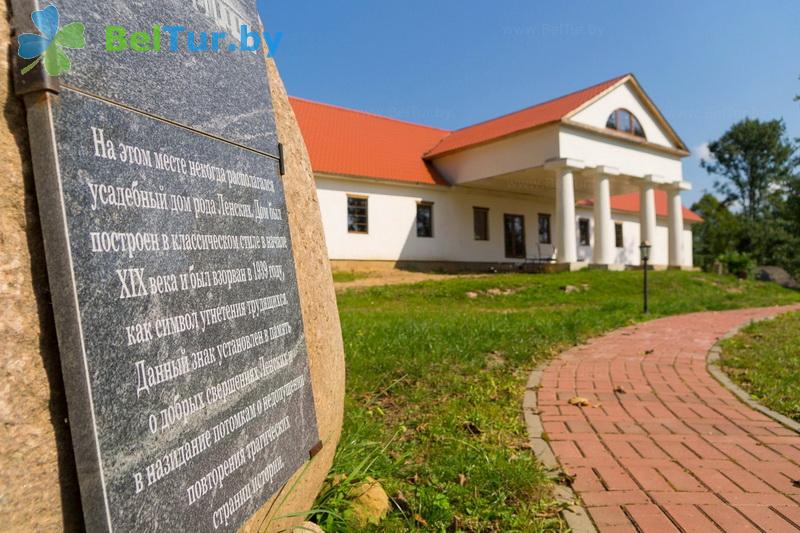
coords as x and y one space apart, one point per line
451 63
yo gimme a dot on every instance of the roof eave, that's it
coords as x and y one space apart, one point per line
433 154
376 179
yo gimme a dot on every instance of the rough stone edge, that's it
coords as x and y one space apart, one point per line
575 514
715 369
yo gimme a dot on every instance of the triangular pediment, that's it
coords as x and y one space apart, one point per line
628 94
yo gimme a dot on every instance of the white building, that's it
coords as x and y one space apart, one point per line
579 180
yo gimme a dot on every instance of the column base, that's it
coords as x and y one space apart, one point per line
656 268
568 267
613 267
682 268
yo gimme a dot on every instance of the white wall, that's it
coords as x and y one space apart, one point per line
623 97
518 152
631 234
392 224
632 160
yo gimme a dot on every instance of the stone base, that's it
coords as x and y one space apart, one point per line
449 267
567 267
656 268
611 268
456 267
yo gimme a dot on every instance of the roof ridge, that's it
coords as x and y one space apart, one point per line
609 82
369 114
615 79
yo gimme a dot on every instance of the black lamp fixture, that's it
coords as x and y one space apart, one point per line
644 248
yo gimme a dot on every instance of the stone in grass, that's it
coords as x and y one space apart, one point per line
308 527
570 289
369 503
776 275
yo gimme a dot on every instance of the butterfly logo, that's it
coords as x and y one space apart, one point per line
48 48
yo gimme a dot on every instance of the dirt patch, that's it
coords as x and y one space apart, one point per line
473 295
495 360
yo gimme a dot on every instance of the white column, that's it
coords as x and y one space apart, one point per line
603 252
675 207
565 216
647 212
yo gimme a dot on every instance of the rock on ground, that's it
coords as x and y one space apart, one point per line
308 527
777 275
370 503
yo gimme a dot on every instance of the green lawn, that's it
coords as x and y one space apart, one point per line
764 359
436 374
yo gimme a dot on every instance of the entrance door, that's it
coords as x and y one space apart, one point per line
515 236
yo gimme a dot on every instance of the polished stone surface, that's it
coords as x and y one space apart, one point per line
153 453
224 94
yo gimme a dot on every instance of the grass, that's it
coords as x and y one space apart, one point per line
436 375
764 359
342 276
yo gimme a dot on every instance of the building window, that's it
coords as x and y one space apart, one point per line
424 219
545 236
515 236
357 214
480 217
624 121
583 230
619 235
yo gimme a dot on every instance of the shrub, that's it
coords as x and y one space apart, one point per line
739 264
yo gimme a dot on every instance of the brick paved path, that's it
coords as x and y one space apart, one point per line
675 451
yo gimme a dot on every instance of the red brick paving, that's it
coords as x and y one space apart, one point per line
676 451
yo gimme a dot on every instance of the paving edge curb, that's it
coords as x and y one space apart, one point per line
574 514
714 368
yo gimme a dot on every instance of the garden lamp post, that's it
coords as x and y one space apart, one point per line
644 248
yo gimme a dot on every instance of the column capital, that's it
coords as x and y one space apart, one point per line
601 170
680 186
565 163
656 179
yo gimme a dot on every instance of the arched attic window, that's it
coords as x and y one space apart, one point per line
624 121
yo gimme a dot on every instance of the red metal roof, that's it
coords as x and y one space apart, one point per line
631 203
531 117
354 143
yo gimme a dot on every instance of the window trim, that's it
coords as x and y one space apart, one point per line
633 121
619 235
485 211
549 217
588 223
416 219
366 213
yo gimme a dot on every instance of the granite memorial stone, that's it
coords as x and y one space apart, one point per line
174 286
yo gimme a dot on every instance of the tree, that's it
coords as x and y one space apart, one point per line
753 160
718 234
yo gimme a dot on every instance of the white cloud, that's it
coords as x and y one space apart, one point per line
703 153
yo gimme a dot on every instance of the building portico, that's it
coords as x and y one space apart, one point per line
568 183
